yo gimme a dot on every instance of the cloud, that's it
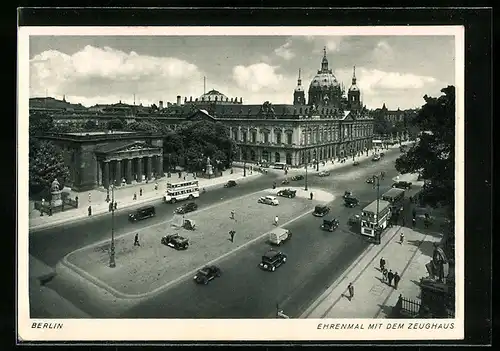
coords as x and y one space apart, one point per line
103 73
259 76
383 51
284 51
332 44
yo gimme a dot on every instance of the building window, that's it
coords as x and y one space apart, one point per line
289 138
266 137
235 132
254 137
244 135
278 138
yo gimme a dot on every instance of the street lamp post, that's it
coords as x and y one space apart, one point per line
112 262
377 230
305 188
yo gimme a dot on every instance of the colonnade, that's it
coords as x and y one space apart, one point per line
139 169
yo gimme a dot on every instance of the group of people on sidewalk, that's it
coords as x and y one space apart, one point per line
388 276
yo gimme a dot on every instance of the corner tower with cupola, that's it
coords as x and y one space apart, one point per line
299 97
354 94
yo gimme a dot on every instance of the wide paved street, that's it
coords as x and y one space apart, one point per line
316 258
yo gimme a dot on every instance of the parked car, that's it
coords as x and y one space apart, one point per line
321 210
142 213
206 274
376 158
351 202
268 200
272 260
382 154
330 224
354 219
289 193
175 241
279 235
298 177
230 184
185 208
370 180
402 185
323 174
347 193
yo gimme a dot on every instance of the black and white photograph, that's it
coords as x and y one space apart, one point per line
207 183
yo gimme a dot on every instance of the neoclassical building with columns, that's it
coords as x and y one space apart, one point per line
99 159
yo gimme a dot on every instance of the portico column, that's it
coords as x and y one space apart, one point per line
105 180
139 170
149 167
128 165
118 172
159 166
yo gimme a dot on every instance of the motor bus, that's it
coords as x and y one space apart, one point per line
369 221
396 197
279 165
188 189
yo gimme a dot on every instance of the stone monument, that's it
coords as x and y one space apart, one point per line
209 171
56 194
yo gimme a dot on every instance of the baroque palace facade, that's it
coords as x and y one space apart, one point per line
330 125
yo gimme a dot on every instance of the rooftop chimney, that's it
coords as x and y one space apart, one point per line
178 100
160 105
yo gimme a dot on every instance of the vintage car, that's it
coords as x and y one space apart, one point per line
268 200
298 177
382 154
272 260
175 241
206 274
189 207
370 180
402 185
142 213
354 219
230 184
289 193
330 224
321 210
347 193
323 174
351 202
376 158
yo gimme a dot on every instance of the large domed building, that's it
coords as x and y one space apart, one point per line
324 89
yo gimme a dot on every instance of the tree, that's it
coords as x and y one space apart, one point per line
90 125
433 156
116 124
46 163
40 123
381 125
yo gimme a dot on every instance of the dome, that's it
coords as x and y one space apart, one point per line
212 95
324 80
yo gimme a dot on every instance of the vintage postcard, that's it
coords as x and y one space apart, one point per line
240 183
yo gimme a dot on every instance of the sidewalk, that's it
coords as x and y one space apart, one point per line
372 297
124 197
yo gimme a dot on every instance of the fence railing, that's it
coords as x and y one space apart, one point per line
47 208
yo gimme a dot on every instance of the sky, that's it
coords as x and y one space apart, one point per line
395 70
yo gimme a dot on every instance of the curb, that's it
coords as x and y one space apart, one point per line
122 208
344 275
168 285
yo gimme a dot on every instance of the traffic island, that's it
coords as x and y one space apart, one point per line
151 267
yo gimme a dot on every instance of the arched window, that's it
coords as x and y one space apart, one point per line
277 157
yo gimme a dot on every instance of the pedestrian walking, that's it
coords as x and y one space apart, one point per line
390 277
110 207
350 288
136 240
90 197
382 264
401 238
140 192
180 175
276 221
414 213
156 186
135 196
89 210
397 278
116 205
232 214
231 234
384 275
311 195
414 221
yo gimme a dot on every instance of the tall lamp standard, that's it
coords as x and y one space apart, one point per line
317 160
376 183
305 188
243 155
112 262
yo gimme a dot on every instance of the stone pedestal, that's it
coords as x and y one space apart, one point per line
56 198
209 171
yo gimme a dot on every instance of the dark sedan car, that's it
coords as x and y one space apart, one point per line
330 224
298 177
142 213
289 193
402 185
320 211
370 180
351 202
189 207
175 241
206 274
272 260
230 184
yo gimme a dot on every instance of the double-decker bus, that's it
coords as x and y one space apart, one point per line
279 165
369 220
396 197
188 189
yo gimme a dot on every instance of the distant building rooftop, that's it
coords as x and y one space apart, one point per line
99 133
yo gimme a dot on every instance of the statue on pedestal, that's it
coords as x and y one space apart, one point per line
209 169
56 194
